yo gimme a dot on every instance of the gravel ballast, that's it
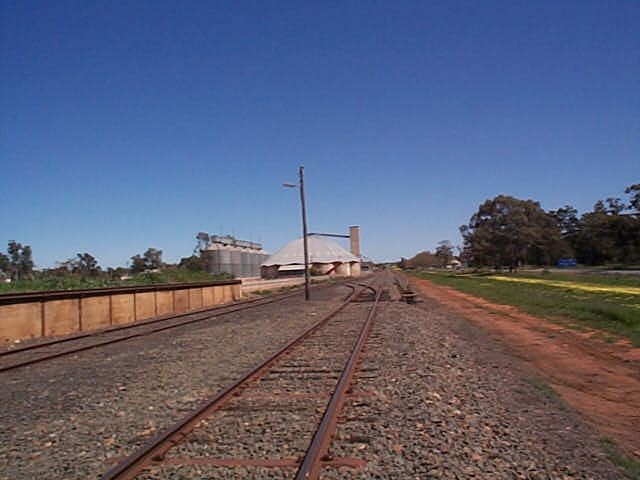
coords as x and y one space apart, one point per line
449 402
73 416
434 397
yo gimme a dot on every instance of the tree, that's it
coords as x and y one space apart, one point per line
26 261
606 234
13 249
153 258
193 263
548 245
137 264
5 264
86 265
20 260
117 273
63 269
599 207
568 225
150 260
444 252
634 201
615 206
593 245
424 259
507 231
566 219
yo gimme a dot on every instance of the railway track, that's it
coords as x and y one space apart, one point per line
279 416
48 350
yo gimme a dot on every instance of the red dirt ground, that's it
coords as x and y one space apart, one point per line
599 380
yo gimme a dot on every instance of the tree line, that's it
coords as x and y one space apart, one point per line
509 232
18 264
442 257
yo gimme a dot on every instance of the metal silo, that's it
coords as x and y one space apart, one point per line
255 263
245 260
224 257
240 258
254 266
236 262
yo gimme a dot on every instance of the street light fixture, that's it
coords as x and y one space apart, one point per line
304 231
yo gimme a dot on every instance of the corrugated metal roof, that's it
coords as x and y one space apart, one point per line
321 250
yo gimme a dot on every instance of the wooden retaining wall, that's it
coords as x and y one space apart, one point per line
39 314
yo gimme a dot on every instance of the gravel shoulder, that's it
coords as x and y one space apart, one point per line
438 398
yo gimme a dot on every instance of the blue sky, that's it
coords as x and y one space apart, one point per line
126 125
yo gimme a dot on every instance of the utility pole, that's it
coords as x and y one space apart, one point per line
304 235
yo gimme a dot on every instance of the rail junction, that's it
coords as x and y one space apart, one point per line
297 378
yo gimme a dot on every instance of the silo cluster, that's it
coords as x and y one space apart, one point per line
239 258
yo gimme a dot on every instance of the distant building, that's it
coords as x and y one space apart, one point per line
326 257
454 264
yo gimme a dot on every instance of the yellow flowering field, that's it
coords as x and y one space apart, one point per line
619 289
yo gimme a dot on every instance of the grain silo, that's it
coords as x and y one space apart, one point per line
239 258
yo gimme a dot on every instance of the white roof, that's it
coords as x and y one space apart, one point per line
321 250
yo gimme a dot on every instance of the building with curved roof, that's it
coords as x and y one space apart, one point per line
326 257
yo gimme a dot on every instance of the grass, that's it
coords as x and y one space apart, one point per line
262 293
566 297
588 278
629 464
76 282
619 266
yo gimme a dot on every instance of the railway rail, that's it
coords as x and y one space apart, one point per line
15 358
281 414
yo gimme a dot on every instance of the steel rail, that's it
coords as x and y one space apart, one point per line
131 466
127 326
311 466
368 287
259 301
208 314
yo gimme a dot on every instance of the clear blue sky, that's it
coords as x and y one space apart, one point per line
126 125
